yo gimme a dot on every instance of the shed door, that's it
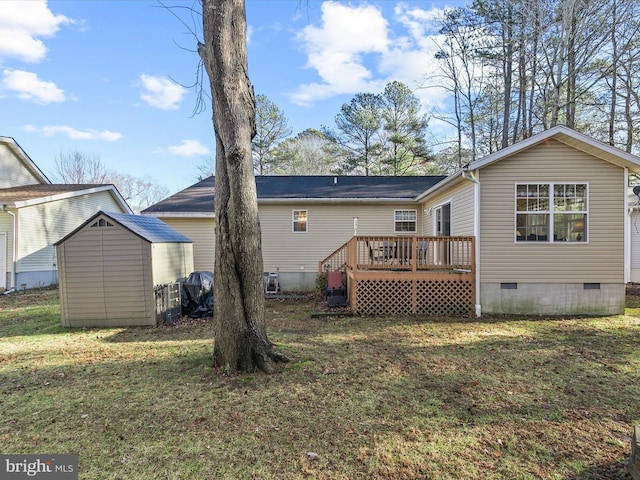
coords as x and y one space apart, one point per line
3 260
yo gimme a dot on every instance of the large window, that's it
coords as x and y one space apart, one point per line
405 221
299 221
551 212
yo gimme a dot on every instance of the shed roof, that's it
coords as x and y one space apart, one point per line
199 198
148 228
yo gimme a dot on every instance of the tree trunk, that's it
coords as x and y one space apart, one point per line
241 342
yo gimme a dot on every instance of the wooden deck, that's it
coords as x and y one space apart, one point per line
403 275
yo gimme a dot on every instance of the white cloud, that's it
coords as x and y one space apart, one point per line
188 148
21 23
73 133
336 49
355 49
29 87
161 92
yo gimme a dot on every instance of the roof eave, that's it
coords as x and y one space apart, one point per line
569 137
76 193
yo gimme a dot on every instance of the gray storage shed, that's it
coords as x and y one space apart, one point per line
111 268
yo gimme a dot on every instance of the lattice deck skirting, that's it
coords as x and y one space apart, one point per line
405 293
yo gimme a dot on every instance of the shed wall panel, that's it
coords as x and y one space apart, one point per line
171 262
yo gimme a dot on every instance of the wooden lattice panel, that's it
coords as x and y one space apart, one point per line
435 295
383 297
445 297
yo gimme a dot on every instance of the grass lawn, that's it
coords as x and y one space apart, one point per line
500 398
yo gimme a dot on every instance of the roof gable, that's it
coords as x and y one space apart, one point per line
24 159
569 137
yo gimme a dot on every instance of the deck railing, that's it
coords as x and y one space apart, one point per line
400 253
397 275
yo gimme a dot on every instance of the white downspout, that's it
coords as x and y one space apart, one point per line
476 233
627 230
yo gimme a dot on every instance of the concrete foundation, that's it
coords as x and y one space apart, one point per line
553 298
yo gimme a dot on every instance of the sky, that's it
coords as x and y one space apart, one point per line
114 78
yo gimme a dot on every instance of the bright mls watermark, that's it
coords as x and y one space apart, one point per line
45 467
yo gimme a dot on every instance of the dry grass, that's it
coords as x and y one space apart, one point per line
501 398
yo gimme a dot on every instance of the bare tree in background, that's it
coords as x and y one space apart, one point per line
241 343
76 167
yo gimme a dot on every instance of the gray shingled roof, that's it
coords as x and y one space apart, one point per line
199 198
151 229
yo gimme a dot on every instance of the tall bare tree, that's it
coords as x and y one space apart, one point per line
241 343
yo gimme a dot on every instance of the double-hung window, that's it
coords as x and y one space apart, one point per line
299 218
405 221
551 212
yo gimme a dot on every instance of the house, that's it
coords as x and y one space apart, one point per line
34 214
549 218
117 269
536 228
303 218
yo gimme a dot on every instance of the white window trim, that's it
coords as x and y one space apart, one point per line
435 214
551 213
293 221
415 230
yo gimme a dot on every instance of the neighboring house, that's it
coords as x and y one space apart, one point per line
634 243
303 218
117 269
548 215
34 214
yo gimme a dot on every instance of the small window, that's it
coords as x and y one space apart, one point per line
405 221
102 223
299 221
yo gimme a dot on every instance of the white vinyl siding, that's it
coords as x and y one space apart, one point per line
6 226
14 172
40 226
202 231
332 227
599 261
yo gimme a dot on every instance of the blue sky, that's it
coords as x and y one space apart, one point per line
110 78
